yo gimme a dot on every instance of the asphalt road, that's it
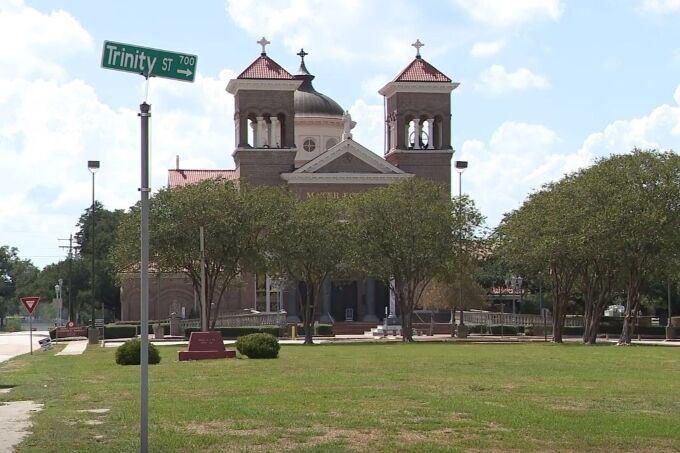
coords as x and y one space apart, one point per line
17 343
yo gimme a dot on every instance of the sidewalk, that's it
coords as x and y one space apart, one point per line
74 348
472 339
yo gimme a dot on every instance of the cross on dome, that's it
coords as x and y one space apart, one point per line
263 42
302 54
417 45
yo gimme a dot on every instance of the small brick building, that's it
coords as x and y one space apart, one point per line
287 133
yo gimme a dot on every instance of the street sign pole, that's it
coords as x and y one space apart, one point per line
30 303
148 63
144 113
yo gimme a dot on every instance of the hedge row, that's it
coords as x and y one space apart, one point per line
651 331
235 332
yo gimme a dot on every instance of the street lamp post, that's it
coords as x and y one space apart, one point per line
460 166
93 166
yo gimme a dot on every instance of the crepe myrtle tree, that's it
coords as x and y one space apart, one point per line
408 233
234 220
308 244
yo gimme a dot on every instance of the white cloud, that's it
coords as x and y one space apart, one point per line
370 128
521 157
487 49
35 42
502 13
660 6
496 80
342 29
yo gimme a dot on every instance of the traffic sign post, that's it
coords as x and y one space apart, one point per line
149 62
30 303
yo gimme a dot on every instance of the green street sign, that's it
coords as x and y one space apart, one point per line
149 62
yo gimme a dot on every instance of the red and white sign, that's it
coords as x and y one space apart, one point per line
30 303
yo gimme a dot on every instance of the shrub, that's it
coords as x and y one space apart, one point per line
129 353
12 325
258 346
235 332
321 330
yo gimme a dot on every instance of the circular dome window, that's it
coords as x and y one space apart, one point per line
309 145
331 143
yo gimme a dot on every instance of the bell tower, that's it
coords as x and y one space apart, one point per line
264 120
418 120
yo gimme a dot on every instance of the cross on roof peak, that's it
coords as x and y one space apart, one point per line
263 42
417 45
302 54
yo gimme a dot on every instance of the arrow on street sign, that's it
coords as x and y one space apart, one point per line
149 62
30 303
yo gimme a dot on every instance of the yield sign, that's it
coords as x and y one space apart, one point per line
30 303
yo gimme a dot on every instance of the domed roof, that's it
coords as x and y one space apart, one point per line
310 102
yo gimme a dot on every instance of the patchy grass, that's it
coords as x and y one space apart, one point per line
386 397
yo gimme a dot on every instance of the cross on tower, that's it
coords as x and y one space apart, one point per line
417 45
302 54
263 42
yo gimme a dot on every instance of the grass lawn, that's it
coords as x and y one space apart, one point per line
380 397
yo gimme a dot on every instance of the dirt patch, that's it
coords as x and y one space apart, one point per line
15 422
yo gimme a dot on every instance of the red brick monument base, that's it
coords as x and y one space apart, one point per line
206 345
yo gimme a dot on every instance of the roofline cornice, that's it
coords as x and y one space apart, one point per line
418 87
235 85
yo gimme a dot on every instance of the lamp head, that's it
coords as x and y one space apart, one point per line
461 165
93 165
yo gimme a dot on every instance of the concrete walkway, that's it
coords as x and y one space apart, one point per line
74 348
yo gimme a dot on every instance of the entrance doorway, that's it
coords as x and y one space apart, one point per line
344 300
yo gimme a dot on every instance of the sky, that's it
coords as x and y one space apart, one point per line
546 87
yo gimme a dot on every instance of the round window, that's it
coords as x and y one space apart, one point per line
331 143
309 145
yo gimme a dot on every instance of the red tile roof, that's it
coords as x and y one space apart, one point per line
178 178
421 71
265 68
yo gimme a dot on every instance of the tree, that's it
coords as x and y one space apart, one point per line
307 244
16 274
617 221
234 220
447 294
107 291
536 237
407 234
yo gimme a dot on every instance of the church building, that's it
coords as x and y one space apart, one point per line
288 133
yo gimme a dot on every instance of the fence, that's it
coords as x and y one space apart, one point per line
509 319
241 320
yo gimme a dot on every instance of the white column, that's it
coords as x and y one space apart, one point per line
275 137
261 136
429 131
393 304
253 127
416 135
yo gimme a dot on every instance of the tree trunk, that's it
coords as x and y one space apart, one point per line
308 314
632 306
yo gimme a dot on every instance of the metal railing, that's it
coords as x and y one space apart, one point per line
509 319
241 320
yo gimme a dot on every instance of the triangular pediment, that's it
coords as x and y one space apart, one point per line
349 157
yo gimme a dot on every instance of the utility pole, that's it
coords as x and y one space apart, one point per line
70 272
